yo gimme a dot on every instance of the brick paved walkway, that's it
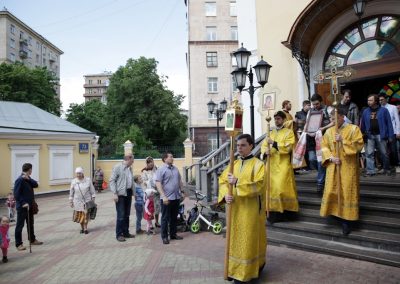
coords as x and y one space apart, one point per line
69 257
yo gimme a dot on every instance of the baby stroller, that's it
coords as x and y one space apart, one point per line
181 222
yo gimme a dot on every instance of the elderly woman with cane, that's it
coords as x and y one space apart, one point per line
81 192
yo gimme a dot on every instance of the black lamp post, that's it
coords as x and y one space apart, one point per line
240 73
359 7
219 113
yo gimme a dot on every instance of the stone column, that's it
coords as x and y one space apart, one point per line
188 144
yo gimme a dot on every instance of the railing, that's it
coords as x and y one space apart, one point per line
208 169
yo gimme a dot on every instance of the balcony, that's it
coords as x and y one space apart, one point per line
23 54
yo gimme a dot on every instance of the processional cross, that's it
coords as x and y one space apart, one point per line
333 75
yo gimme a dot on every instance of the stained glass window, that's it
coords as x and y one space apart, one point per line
392 91
372 39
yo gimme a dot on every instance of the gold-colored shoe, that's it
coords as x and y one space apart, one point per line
21 248
36 243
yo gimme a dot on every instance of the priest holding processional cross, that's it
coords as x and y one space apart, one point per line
340 147
241 187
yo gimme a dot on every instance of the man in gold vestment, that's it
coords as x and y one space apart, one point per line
248 233
351 142
283 194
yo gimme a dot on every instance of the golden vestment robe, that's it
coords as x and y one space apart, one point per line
283 194
349 172
248 232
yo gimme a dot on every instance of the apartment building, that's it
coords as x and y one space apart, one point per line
19 42
96 86
212 37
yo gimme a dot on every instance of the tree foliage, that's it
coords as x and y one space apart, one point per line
139 108
137 95
19 83
88 115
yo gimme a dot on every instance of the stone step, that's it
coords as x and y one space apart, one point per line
333 248
366 238
367 195
366 222
379 209
373 183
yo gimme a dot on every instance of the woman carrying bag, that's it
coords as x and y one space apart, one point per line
82 191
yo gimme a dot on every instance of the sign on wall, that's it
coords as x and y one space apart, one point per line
83 147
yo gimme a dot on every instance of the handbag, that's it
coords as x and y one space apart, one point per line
35 207
90 204
92 212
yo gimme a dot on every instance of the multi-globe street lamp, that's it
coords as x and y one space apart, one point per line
240 73
218 112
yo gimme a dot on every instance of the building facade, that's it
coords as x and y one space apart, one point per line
19 42
212 37
54 146
299 45
96 86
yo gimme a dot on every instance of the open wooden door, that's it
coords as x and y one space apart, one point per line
324 90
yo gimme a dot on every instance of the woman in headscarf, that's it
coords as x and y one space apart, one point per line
82 191
148 173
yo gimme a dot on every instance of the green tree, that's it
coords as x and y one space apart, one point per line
89 115
19 83
138 95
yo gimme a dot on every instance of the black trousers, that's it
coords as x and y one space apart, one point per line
22 217
169 214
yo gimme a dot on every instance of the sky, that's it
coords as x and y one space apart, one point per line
101 35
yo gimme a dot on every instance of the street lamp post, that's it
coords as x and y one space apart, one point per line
240 73
219 113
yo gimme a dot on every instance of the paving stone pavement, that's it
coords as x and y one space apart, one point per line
69 257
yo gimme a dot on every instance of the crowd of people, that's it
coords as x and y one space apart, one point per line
311 136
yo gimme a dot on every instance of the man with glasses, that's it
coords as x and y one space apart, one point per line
121 184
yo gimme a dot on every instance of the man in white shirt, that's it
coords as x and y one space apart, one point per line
394 116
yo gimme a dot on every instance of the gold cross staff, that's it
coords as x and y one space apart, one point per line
333 76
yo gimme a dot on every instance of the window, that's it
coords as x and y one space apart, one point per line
44 61
211 9
30 40
212 84
60 164
234 33
211 33
104 99
90 82
232 9
212 115
99 90
212 59
90 91
37 45
12 43
371 39
21 35
212 141
12 57
12 29
21 154
98 81
37 58
29 53
44 51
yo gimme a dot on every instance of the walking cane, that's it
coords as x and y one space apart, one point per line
29 230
